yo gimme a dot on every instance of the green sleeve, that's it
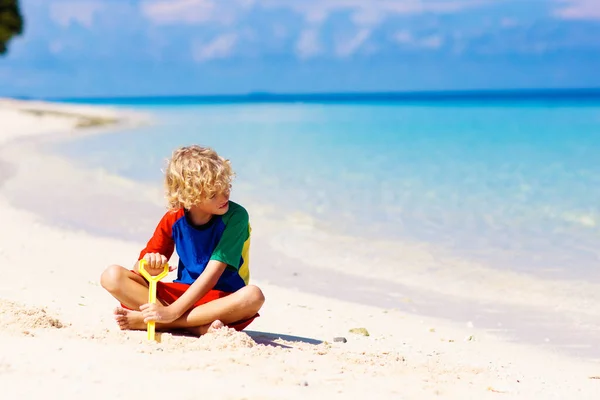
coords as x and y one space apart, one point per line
229 249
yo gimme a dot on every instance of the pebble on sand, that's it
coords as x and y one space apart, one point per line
360 331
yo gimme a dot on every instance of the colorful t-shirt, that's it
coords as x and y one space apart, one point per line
224 238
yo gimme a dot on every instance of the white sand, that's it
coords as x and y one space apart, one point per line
58 339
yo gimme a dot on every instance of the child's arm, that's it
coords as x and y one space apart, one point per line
205 282
161 245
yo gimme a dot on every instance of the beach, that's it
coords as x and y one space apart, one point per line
58 338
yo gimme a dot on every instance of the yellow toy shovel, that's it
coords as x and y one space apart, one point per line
152 291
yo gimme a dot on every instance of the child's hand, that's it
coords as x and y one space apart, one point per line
158 313
155 263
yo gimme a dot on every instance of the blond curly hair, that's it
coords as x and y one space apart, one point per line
194 174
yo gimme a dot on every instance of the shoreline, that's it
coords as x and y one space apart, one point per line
58 121
397 356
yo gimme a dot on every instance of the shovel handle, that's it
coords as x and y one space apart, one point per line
151 326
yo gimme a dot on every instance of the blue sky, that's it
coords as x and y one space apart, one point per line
167 47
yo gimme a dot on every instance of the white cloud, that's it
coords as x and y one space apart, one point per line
194 11
220 47
71 44
367 17
365 12
579 9
56 47
316 16
431 42
308 44
509 22
349 47
369 10
81 11
406 38
175 11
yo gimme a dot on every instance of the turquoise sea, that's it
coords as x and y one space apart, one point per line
509 181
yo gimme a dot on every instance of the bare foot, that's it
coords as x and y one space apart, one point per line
129 319
215 326
201 330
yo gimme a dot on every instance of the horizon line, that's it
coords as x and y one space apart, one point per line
420 95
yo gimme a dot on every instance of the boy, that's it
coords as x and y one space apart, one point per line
212 238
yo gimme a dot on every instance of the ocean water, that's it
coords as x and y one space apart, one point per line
514 185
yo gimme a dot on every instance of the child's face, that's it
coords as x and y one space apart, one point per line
216 205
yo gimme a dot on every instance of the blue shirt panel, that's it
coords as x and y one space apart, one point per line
195 246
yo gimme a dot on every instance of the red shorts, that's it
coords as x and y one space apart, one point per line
171 291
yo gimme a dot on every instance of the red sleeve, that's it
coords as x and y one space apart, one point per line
162 240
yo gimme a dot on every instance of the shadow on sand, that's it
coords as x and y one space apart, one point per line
268 338
264 338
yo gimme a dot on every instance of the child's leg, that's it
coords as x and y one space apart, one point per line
131 289
127 287
239 306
